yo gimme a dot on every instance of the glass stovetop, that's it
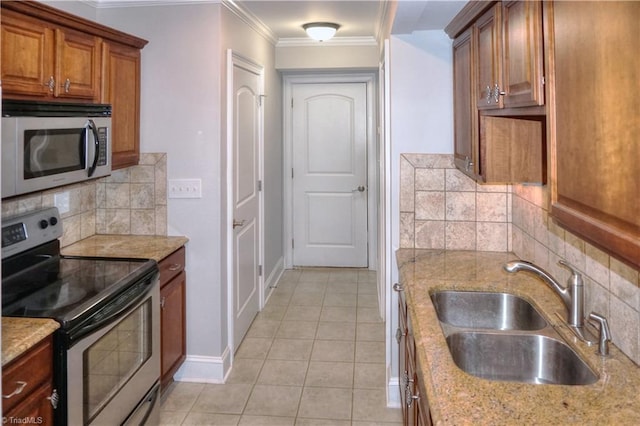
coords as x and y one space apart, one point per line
63 288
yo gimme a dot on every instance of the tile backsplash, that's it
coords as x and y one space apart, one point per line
132 201
442 208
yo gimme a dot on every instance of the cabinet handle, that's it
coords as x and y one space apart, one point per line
51 84
175 267
162 301
54 398
67 85
410 397
398 287
489 94
399 335
497 93
17 390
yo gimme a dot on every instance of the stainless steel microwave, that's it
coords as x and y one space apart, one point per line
45 145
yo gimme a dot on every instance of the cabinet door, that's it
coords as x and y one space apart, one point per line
489 34
172 323
27 56
36 406
522 53
464 104
597 138
121 89
78 59
401 338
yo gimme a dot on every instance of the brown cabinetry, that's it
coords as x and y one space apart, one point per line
413 398
48 54
121 89
595 126
172 315
27 386
497 65
42 61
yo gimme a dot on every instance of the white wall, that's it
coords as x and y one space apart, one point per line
420 72
180 115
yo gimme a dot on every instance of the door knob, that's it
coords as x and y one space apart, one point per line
360 189
237 223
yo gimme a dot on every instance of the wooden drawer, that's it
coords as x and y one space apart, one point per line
33 368
171 265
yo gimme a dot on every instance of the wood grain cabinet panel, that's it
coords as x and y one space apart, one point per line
27 385
595 132
121 89
41 61
173 286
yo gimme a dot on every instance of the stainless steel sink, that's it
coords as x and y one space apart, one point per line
528 358
498 311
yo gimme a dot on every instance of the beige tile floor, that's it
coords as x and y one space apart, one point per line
314 356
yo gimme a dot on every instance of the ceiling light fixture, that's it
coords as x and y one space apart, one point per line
321 31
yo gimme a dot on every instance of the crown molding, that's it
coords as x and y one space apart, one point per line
107 4
335 41
251 20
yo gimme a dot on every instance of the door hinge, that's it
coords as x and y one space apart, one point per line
292 244
260 98
259 270
292 173
291 102
259 185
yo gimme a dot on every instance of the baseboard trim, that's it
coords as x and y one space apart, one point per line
393 393
204 369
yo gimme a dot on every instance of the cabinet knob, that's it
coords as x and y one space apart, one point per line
51 84
497 92
162 302
19 388
397 287
67 85
468 164
175 267
54 398
489 94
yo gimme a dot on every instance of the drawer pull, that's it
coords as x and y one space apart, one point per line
18 390
54 399
175 267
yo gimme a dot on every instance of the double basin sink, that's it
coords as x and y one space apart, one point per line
500 336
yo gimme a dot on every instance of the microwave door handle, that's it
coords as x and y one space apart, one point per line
92 126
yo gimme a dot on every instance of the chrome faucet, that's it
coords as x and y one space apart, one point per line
572 295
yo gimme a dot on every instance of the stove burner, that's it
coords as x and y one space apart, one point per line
55 297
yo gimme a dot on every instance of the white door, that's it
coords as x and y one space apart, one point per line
246 197
329 138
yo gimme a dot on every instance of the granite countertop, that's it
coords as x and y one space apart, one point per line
131 246
457 398
21 334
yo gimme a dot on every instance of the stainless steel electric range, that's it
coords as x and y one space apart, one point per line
107 349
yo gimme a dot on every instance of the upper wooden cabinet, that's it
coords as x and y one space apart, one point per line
42 61
499 123
510 56
48 54
121 89
594 126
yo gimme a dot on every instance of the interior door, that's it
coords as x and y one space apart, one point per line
329 134
246 197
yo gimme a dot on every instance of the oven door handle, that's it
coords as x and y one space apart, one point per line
122 304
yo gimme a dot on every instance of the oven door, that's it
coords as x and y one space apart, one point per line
111 370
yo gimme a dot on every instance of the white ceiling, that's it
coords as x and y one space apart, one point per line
357 18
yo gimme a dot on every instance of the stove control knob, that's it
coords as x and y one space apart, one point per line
53 221
44 224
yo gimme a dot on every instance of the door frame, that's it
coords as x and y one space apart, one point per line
236 59
369 79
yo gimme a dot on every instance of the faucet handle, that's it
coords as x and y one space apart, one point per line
605 334
576 275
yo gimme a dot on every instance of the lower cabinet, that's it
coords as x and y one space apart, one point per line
27 386
173 283
413 398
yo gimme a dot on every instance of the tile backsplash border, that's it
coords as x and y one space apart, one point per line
436 201
131 201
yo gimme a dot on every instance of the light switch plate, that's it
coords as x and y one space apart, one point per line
185 188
